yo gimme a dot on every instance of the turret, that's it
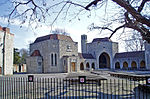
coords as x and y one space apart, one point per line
84 43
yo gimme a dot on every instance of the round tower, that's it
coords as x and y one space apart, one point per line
84 43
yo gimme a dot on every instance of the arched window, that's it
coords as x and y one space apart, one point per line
133 65
125 65
55 59
93 65
87 65
117 65
52 60
81 66
142 64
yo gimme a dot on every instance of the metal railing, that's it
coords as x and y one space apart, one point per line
57 88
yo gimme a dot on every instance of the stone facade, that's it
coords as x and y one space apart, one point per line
53 49
107 56
59 53
6 51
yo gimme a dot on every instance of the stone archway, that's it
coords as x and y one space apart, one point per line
133 65
142 64
93 65
125 65
81 66
117 65
104 60
87 65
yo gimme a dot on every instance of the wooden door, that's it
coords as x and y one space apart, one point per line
73 66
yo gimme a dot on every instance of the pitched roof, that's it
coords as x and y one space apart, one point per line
130 54
85 56
54 37
36 53
106 39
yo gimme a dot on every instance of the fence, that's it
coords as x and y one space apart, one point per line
57 88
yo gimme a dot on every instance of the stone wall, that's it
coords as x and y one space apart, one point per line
8 51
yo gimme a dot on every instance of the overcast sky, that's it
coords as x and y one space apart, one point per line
77 27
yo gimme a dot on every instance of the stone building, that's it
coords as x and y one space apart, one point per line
6 51
59 53
19 68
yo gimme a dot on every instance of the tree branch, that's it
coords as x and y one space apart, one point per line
133 12
140 8
117 30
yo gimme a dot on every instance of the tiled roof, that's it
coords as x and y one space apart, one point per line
130 54
106 39
85 56
54 37
36 53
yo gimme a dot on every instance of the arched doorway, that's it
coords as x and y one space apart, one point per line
142 64
104 60
125 65
93 65
81 66
87 65
117 65
133 65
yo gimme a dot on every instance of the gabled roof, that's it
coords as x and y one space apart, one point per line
54 37
130 54
106 39
36 53
85 56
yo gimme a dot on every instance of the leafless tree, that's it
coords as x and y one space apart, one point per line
60 31
134 14
134 42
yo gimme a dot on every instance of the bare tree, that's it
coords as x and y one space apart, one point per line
134 42
134 13
60 31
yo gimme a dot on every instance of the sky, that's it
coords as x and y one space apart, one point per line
78 26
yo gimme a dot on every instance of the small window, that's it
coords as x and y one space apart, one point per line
69 48
55 59
52 60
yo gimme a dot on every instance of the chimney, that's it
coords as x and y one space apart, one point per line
6 29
